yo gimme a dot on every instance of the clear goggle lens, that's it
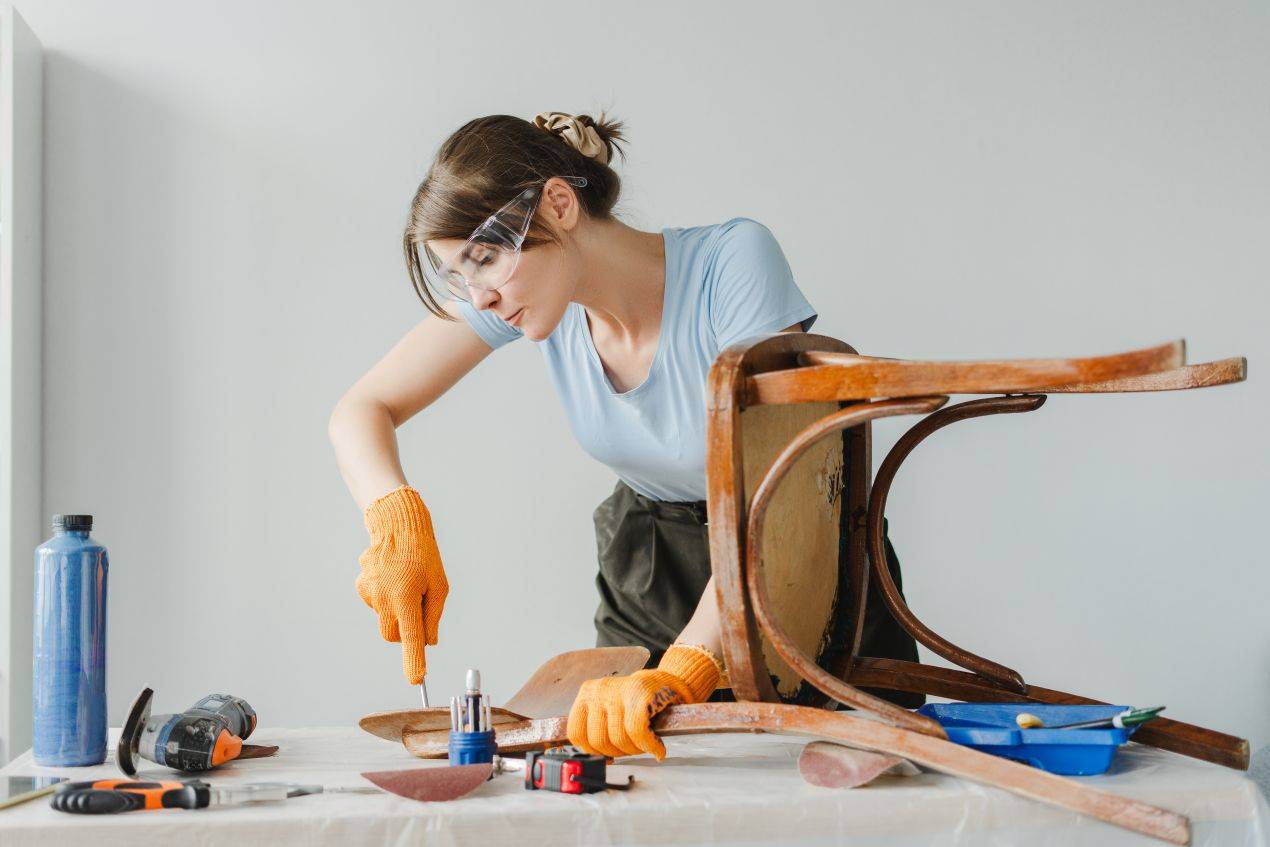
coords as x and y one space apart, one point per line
486 260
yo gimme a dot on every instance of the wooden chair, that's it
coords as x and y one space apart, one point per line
796 522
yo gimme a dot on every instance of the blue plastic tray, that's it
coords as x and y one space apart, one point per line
990 727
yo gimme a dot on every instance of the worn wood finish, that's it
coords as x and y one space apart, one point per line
796 368
1203 375
553 687
756 584
1174 736
837 376
726 492
805 587
935 753
877 511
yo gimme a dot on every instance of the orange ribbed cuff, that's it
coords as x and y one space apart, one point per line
399 510
695 665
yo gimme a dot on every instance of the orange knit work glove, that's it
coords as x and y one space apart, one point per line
402 578
611 716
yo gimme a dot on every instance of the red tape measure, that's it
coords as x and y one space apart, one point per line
569 771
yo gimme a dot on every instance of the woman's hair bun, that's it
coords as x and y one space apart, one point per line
595 139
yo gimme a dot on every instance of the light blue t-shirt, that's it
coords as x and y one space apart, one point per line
724 282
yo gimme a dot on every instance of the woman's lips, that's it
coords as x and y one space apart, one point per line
516 317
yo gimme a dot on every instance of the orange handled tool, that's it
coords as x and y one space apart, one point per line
111 796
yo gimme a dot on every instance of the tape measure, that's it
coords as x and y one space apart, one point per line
569 771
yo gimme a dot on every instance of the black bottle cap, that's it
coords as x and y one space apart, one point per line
73 523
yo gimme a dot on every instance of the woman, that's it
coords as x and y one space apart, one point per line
512 234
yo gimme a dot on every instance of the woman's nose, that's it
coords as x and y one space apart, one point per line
483 298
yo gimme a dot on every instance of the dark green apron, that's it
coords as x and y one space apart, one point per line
654 558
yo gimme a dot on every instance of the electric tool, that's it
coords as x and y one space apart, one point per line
207 734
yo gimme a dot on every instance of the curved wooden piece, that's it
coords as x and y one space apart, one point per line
394 726
840 376
1202 375
935 753
877 551
554 686
1174 736
725 399
804 665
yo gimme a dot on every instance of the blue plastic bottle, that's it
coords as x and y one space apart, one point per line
70 646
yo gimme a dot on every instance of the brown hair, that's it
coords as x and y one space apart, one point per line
484 164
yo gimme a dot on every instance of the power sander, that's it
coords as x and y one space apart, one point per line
207 734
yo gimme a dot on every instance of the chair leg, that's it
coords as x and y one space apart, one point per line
1174 736
877 510
804 665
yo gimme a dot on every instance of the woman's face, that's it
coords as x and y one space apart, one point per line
535 296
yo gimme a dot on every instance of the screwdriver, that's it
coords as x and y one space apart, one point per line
111 796
423 680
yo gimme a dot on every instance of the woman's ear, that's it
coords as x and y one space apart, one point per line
560 204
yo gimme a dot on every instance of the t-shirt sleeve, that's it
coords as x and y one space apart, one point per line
751 288
494 330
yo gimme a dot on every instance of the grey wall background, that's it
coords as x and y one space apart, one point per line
226 188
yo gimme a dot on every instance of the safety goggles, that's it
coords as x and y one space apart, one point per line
488 257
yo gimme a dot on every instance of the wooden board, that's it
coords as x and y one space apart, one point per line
553 687
394 726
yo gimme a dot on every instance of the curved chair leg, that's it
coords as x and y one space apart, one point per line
863 734
877 510
788 649
1174 736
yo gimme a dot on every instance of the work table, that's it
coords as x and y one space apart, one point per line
711 789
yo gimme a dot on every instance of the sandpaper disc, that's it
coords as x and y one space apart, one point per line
433 784
830 765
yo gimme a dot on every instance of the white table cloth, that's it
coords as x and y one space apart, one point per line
712 789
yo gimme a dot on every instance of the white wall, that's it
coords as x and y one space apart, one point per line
21 324
227 185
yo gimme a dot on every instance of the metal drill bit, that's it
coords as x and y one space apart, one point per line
423 691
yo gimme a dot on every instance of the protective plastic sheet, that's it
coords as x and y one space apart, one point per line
712 789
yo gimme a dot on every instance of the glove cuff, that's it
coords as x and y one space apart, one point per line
400 510
697 666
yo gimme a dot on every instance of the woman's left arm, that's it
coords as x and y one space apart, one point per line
612 715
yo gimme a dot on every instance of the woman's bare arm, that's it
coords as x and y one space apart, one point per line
422 366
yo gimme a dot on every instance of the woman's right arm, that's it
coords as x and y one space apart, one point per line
402 578
425 364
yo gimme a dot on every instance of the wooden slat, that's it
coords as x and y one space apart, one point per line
1203 375
840 376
